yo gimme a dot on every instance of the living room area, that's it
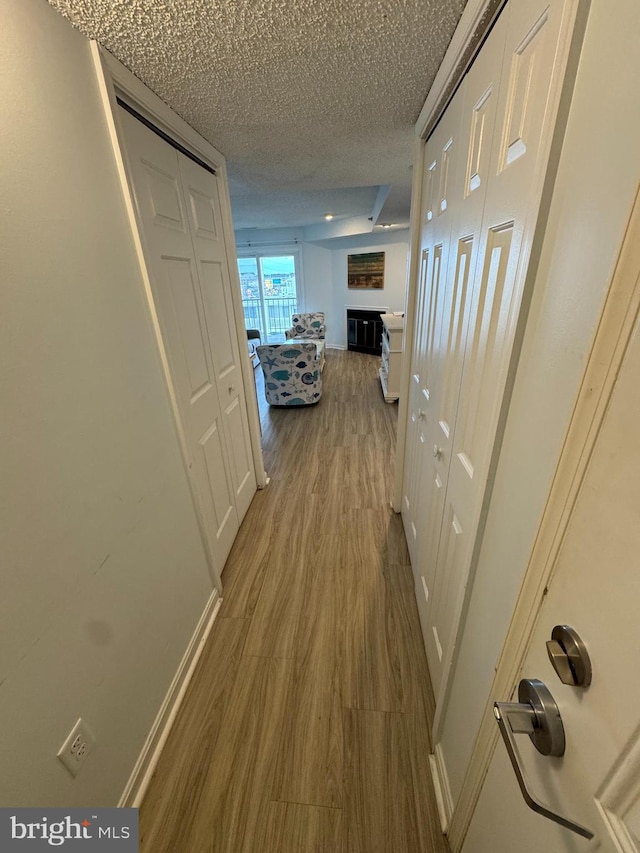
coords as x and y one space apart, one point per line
282 273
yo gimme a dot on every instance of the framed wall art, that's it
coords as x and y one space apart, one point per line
365 271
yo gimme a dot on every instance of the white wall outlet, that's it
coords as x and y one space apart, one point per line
74 751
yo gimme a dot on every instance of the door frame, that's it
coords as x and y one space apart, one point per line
619 315
113 78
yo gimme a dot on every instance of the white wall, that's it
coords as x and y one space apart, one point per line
103 572
596 183
317 272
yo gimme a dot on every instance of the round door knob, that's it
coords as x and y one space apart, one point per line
422 414
437 451
231 388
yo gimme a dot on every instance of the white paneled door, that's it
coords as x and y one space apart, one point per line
485 166
179 212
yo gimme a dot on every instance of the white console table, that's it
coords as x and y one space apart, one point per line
391 358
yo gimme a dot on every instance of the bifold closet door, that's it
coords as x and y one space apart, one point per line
485 168
455 182
475 112
179 215
516 168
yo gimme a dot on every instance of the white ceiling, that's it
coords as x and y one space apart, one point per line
313 102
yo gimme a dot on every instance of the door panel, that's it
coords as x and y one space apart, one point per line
213 488
523 107
183 293
487 339
164 197
242 471
454 340
224 353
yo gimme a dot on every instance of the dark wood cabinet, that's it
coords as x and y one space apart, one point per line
364 330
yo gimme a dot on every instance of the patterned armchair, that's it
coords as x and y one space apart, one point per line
306 326
292 375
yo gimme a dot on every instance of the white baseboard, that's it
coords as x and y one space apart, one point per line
142 772
442 789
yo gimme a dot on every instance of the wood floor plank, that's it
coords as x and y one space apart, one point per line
379 811
237 791
173 797
417 690
244 570
310 764
295 828
287 576
372 670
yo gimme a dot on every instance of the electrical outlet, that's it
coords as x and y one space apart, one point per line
77 746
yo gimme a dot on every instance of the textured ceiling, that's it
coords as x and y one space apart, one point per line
313 96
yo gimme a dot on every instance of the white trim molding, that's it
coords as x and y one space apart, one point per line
145 766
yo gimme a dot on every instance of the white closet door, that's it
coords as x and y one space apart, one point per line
203 210
525 119
476 117
425 482
183 309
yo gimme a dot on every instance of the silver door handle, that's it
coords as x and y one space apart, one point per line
537 715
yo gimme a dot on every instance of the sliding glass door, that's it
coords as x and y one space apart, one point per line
269 286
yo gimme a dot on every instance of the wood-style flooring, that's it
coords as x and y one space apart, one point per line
304 729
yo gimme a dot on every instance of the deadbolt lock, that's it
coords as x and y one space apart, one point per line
569 656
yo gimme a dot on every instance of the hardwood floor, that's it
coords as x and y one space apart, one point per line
304 729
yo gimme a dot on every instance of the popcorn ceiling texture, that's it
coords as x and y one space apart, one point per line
306 95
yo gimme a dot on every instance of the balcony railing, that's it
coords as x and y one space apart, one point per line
278 313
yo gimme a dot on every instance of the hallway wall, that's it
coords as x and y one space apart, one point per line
104 575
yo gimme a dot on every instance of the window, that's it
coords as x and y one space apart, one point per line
269 286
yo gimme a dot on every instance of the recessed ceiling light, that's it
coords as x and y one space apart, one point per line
328 216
